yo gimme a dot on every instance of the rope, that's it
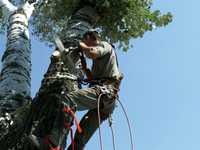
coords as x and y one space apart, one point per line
112 131
71 132
128 122
67 125
99 119
72 114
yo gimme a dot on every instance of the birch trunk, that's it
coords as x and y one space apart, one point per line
15 77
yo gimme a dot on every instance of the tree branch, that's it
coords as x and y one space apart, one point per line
7 6
28 9
29 6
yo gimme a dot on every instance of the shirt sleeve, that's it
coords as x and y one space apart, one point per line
103 49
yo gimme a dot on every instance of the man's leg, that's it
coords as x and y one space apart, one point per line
82 99
89 124
90 121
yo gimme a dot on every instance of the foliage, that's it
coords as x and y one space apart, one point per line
120 20
131 19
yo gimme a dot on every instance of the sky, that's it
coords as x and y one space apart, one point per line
161 86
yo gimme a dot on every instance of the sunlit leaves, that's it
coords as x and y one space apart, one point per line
131 19
52 17
120 20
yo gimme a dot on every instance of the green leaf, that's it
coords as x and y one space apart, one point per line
121 20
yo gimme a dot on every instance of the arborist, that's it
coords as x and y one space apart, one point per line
104 79
99 98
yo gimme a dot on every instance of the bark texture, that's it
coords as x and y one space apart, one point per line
16 62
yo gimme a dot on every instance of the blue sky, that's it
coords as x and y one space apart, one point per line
161 86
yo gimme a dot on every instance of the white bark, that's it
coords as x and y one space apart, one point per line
28 9
7 7
16 61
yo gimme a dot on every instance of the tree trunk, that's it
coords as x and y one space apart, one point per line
46 111
60 79
15 80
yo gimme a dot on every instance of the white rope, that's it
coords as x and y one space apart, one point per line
128 122
110 124
112 131
99 119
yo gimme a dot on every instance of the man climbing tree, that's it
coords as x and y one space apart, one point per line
104 85
104 82
119 21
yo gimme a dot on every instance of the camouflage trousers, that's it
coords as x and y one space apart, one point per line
87 99
50 118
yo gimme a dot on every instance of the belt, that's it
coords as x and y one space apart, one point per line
106 81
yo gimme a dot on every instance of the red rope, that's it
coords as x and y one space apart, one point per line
67 125
71 113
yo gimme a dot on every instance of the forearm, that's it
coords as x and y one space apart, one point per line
90 52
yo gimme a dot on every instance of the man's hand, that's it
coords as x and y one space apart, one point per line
89 51
83 45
